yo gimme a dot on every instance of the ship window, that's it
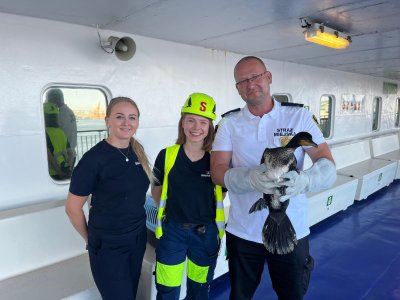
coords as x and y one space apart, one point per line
282 97
397 116
326 115
74 122
376 113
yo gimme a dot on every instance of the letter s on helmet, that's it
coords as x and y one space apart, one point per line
200 104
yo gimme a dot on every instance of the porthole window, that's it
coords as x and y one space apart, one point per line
282 97
326 115
397 116
376 113
74 122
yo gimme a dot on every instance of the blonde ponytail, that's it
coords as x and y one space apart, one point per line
142 157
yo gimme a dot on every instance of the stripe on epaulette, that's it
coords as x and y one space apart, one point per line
292 104
229 112
316 122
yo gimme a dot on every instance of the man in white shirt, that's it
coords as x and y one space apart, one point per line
240 141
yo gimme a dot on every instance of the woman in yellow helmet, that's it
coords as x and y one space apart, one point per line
190 221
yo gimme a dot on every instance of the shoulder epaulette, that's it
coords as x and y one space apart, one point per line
230 112
222 119
292 104
316 122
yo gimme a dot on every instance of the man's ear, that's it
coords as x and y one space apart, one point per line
269 76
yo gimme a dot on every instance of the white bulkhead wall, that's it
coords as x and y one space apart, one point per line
36 53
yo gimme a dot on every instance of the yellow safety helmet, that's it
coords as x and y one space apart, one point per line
50 109
200 104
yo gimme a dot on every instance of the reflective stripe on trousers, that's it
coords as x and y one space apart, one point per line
200 247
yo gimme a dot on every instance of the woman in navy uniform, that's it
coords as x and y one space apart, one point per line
117 174
190 220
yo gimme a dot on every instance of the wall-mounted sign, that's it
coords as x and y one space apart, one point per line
389 88
352 104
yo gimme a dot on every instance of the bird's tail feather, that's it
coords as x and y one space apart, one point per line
279 238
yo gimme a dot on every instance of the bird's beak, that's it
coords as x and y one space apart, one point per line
308 143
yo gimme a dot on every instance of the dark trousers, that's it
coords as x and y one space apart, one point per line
290 273
116 263
181 241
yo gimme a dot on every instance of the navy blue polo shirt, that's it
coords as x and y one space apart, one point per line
190 189
118 188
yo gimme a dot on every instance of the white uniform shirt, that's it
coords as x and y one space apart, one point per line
67 122
247 136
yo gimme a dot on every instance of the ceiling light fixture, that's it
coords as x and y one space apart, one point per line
319 34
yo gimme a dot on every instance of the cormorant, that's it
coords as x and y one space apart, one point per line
278 233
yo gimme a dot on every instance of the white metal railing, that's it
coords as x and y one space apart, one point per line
87 139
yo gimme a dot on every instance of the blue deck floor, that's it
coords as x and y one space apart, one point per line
356 252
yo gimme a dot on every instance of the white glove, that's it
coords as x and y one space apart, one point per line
320 176
243 180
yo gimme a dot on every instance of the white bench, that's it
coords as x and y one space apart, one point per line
387 148
42 256
69 279
355 160
324 204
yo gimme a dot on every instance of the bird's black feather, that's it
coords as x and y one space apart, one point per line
278 233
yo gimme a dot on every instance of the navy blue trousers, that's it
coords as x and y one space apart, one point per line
290 273
116 263
177 243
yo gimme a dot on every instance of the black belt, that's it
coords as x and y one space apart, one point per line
200 228
191 225
186 225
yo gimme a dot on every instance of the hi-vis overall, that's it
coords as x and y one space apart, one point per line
58 140
201 262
